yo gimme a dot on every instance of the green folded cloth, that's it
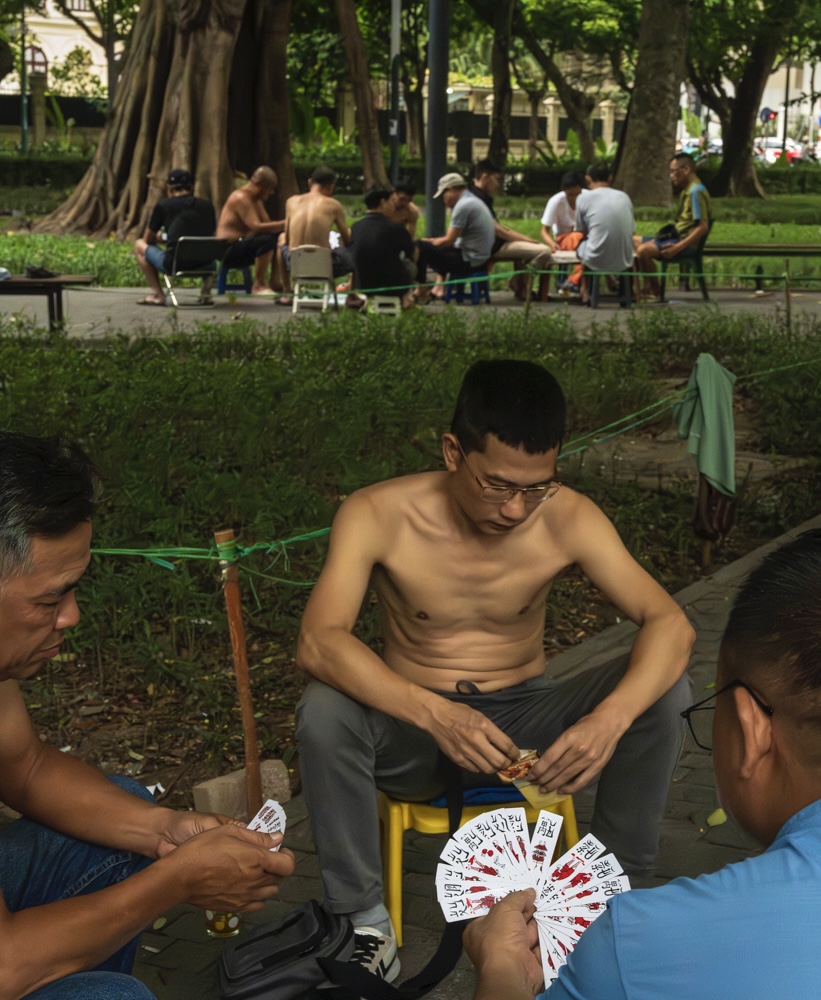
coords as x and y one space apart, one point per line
705 419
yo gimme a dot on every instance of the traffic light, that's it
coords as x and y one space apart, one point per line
767 115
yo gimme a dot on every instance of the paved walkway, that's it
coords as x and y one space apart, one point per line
179 962
92 313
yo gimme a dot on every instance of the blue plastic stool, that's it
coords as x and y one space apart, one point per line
222 280
477 280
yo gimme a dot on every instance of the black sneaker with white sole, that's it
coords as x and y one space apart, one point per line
376 952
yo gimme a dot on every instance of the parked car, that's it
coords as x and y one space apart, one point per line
768 149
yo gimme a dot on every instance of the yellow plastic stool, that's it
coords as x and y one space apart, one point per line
395 817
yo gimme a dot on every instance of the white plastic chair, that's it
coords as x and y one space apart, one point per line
312 275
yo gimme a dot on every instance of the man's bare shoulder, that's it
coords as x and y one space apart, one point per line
390 500
370 521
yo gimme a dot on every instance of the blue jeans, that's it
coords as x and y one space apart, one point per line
39 866
156 257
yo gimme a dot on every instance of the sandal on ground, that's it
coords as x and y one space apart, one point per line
150 302
285 300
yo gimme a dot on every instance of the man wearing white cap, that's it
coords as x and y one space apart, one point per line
466 245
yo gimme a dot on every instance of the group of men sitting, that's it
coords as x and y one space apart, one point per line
461 560
381 252
255 239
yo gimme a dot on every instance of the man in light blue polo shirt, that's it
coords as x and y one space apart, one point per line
751 929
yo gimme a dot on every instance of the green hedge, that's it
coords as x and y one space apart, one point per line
538 179
46 171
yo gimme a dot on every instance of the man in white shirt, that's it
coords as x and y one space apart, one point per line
559 227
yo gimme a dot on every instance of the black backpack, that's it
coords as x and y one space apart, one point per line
305 954
281 961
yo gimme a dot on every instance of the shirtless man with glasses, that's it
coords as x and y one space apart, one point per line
462 562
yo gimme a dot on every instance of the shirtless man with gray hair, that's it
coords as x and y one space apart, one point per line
246 223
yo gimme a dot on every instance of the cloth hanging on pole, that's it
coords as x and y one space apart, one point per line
705 419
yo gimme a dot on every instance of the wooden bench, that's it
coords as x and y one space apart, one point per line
52 288
785 251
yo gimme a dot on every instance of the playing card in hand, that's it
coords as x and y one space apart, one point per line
494 854
270 819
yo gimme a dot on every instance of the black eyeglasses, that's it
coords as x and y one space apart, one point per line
501 494
702 738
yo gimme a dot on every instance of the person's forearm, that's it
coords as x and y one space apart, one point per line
337 658
72 797
44 943
658 658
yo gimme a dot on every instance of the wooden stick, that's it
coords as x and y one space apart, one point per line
226 545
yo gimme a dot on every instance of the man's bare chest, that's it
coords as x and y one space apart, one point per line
449 583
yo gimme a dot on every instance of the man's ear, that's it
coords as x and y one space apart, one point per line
756 731
450 452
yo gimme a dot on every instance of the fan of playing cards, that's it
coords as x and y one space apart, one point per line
494 854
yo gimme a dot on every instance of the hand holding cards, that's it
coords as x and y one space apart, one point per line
225 923
494 854
518 774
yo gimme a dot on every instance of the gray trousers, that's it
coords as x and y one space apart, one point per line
348 750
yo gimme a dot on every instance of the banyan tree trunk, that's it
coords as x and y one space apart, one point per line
178 91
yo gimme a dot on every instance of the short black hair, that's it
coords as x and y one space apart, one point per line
376 195
571 179
519 402
405 186
684 160
324 176
47 488
773 634
599 172
486 166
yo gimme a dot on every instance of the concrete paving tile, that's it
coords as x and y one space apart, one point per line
418 951
189 925
299 837
308 866
153 943
731 835
297 889
694 793
188 955
691 811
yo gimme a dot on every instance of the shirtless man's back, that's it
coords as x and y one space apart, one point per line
310 217
462 562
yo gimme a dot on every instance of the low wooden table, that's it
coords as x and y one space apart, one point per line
52 288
